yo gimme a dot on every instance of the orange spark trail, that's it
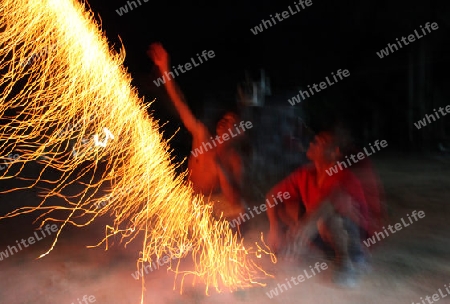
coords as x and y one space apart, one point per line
68 104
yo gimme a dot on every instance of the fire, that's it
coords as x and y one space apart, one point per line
58 70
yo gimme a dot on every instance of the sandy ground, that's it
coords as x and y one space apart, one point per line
407 265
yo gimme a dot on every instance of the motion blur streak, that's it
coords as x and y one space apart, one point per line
77 79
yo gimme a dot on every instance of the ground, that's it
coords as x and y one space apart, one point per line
407 265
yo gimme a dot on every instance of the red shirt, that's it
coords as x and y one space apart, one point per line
302 187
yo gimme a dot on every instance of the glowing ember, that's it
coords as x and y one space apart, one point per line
77 80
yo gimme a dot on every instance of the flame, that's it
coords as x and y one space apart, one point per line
59 71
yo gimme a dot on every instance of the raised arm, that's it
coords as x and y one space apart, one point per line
161 59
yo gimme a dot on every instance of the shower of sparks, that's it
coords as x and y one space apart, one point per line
57 70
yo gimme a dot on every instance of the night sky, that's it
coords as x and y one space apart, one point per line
296 52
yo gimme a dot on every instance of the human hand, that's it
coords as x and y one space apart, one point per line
159 55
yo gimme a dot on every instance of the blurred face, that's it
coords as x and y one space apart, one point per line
321 149
225 123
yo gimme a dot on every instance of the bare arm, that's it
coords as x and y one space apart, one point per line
161 59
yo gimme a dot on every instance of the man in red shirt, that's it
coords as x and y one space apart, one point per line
333 207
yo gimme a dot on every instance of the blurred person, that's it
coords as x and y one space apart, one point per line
217 168
328 210
370 182
373 193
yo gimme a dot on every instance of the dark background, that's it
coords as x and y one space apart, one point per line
381 99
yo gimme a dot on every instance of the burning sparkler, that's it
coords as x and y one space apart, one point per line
82 82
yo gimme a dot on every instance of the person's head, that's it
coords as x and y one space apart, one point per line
324 148
226 122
